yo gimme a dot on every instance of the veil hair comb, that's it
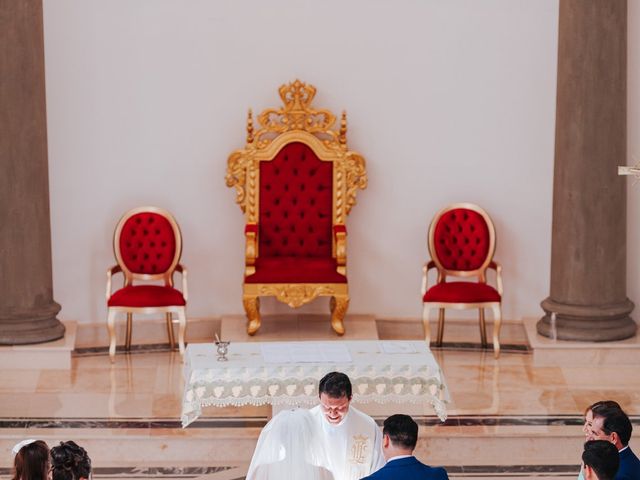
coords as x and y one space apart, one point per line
16 448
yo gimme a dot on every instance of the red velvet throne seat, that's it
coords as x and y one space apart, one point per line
147 245
462 242
296 182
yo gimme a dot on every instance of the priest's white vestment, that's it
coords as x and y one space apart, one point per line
353 446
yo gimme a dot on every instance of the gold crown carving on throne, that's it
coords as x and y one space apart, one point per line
297 114
297 117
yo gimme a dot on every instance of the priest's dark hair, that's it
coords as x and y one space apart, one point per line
335 385
402 431
69 461
603 457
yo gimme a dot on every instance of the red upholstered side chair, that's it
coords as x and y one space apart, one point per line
296 181
147 244
462 241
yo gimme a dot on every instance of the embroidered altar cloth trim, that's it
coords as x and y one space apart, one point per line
380 371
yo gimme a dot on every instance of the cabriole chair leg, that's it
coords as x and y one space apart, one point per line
483 329
440 326
182 328
111 317
172 343
127 342
426 327
497 322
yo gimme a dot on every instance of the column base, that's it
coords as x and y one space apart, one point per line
36 326
590 323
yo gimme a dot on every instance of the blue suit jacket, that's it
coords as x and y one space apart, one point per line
408 468
629 468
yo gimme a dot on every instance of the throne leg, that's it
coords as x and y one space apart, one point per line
339 305
252 308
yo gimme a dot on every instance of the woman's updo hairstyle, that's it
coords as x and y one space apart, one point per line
70 461
31 461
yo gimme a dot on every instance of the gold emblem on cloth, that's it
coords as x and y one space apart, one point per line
359 449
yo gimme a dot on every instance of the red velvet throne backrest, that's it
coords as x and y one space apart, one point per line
296 195
147 244
461 240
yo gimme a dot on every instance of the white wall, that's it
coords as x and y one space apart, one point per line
448 101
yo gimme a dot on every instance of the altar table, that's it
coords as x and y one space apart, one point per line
279 373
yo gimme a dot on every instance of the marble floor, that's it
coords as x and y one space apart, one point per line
508 418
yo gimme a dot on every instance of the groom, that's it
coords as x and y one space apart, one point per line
352 440
399 438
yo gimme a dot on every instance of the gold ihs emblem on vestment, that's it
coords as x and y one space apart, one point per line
359 449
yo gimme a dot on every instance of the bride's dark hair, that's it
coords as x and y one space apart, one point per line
70 461
31 462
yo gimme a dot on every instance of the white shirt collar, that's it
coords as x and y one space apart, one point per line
623 449
398 457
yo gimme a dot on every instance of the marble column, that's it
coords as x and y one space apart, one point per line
27 309
588 251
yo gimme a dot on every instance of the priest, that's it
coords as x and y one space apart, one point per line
352 440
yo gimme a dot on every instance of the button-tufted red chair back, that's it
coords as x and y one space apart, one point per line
296 190
462 242
147 245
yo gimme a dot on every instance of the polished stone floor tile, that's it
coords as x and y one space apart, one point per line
151 385
629 399
98 380
508 418
18 380
526 376
166 405
622 376
89 404
293 327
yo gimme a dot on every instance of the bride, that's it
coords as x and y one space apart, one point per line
289 447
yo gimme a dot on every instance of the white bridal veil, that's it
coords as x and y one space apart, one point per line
289 447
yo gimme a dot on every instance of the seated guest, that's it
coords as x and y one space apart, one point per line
399 438
70 462
588 413
31 461
588 420
613 425
600 460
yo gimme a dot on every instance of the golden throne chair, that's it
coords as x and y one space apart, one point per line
462 241
147 245
296 181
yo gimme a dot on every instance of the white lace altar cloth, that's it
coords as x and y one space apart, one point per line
409 374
